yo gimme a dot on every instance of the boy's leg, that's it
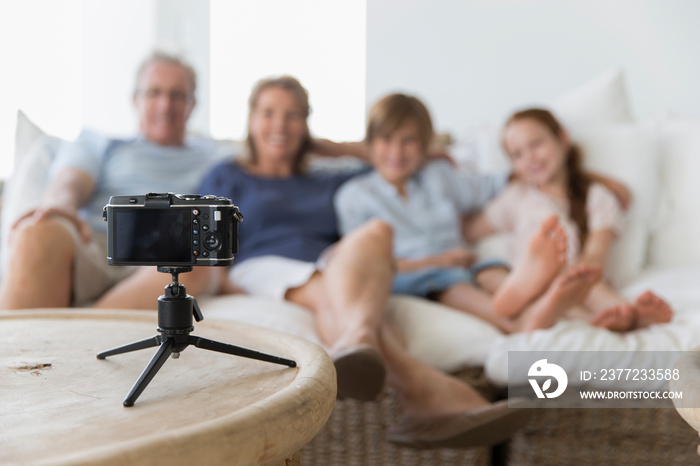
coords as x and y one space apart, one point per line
476 302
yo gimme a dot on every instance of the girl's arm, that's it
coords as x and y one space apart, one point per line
621 192
597 247
476 227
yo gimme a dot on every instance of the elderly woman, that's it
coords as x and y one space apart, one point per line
290 249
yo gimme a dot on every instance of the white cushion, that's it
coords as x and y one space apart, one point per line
441 336
437 335
34 152
675 238
628 153
601 101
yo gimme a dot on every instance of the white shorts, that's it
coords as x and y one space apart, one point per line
92 276
272 276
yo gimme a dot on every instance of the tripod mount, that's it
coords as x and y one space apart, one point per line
176 309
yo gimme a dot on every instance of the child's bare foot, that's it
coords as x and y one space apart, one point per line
568 289
544 259
651 309
620 318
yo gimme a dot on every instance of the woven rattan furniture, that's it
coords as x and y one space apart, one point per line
354 436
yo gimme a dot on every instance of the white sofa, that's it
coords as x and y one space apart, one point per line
660 249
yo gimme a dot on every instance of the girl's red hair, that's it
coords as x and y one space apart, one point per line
578 180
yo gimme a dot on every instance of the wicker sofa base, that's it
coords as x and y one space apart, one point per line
354 436
623 436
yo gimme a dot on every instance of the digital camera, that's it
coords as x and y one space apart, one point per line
167 229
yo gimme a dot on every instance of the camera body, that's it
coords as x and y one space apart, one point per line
167 229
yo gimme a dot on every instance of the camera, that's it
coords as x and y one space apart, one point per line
167 229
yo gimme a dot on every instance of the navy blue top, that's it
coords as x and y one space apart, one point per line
291 217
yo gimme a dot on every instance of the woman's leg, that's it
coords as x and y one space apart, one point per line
349 296
422 389
440 410
349 299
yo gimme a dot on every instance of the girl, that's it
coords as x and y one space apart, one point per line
425 201
549 180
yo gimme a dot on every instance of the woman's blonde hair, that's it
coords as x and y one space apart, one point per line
292 85
394 111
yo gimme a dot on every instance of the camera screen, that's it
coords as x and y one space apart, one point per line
152 235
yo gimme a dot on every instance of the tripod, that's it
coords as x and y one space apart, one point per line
175 311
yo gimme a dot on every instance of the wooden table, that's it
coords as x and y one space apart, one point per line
59 404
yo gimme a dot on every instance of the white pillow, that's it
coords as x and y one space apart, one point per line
34 152
600 101
628 153
437 335
675 238
441 336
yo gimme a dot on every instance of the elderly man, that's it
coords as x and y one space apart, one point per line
58 252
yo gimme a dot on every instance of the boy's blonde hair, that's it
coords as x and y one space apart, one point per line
394 111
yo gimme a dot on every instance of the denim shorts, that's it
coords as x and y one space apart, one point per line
427 282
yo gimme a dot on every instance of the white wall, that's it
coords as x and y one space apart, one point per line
40 52
118 36
320 42
475 61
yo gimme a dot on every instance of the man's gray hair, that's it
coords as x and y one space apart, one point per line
159 56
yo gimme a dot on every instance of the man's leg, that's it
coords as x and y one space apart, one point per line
40 268
142 289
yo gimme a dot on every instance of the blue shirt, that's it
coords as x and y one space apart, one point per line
291 217
136 166
428 220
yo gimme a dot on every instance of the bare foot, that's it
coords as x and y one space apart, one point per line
568 289
544 259
620 318
651 309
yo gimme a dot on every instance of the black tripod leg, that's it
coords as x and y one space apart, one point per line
137 345
149 372
205 343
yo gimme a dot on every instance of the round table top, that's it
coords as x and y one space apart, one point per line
62 405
